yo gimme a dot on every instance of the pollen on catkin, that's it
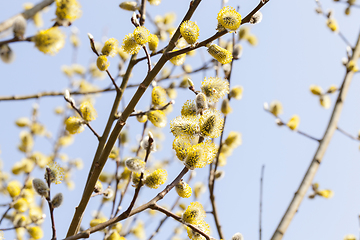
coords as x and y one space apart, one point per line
156 178
229 18
294 122
102 63
153 42
88 111
141 35
188 125
56 173
220 54
194 213
180 144
49 41
74 125
135 164
188 109
203 226
190 31
200 155
183 189
129 44
179 59
110 47
158 118
158 96
67 11
211 124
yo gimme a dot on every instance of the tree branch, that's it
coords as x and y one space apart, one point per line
324 143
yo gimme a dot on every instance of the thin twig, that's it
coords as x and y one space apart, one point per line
324 143
152 109
86 122
261 200
348 134
27 14
51 209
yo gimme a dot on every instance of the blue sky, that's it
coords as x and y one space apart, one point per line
295 50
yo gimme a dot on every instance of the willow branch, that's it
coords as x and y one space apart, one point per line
76 221
124 215
27 14
324 143
179 219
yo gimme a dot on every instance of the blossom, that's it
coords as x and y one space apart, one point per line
180 144
219 53
67 10
203 226
236 92
158 118
325 101
332 24
141 35
211 124
156 178
153 42
190 31
229 18
74 125
49 41
225 107
293 123
233 140
325 193
158 96
188 125
189 108
276 108
110 47
35 232
102 63
88 111
130 45
200 155
194 213
179 59
315 89
56 173
183 189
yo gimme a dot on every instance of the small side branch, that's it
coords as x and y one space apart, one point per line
261 201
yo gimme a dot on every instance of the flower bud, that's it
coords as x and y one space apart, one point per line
256 18
135 164
40 187
201 103
19 27
129 6
57 200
